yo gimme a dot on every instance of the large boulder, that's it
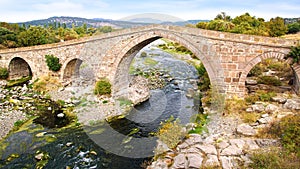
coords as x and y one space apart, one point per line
246 130
139 90
293 104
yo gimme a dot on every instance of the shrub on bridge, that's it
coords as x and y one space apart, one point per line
295 54
102 87
3 73
53 63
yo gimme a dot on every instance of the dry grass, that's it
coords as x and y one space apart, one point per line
292 36
47 83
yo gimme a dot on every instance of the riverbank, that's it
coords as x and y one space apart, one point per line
11 109
230 141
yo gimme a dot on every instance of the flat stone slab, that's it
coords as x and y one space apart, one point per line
246 130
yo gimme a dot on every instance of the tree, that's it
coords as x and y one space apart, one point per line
277 27
105 29
295 54
223 16
294 27
35 35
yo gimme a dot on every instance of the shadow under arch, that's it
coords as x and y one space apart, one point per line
268 55
124 57
18 68
71 69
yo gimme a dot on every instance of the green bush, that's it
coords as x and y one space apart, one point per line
204 83
274 158
295 54
269 80
103 87
53 63
171 133
143 54
3 73
289 131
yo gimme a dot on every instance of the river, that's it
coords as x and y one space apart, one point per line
123 143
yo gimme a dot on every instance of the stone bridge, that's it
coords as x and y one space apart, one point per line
227 57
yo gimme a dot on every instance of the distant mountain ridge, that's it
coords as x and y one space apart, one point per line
99 22
77 21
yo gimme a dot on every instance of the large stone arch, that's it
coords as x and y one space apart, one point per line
275 55
126 52
70 68
18 67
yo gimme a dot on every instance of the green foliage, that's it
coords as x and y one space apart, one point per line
272 159
171 132
3 73
204 81
7 38
18 123
150 62
36 35
260 95
53 62
277 27
246 24
269 80
18 82
257 70
143 54
289 132
124 102
294 27
105 29
102 87
295 54
200 121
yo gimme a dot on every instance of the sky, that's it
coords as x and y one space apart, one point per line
26 10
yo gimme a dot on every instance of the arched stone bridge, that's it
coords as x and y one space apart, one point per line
227 57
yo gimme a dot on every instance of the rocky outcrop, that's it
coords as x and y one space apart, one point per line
226 153
138 90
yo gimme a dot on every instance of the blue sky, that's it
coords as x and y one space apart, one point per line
25 10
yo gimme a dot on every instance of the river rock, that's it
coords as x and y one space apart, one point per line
60 115
139 90
180 161
251 82
39 156
271 108
232 150
283 114
207 148
246 130
194 160
212 160
258 107
279 99
293 104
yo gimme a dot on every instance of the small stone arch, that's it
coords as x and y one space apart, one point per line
123 58
260 58
18 68
71 68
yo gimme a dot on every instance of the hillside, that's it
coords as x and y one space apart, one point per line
98 22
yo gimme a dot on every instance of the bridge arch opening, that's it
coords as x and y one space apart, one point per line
270 72
19 68
121 79
71 69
